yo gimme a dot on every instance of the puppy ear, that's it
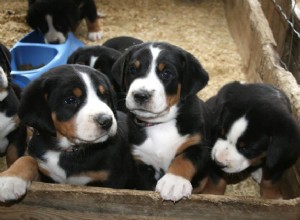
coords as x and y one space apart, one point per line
119 69
74 56
284 147
34 110
6 57
113 96
194 78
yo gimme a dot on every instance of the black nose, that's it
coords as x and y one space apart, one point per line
220 164
141 96
105 121
54 42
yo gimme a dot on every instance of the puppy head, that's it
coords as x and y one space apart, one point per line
74 102
5 69
53 18
254 126
157 77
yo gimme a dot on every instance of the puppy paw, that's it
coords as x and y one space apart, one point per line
12 188
174 188
93 36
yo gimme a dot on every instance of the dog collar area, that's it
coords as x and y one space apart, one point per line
142 123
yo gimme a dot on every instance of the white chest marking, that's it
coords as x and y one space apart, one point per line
7 125
159 149
57 173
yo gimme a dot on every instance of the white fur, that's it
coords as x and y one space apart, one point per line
174 188
12 188
257 175
87 129
225 151
94 36
155 110
50 163
53 34
7 125
93 61
159 149
3 84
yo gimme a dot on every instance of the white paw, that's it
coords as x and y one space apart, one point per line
93 36
174 188
12 188
257 175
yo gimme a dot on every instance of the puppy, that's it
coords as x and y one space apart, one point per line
79 136
254 132
122 43
168 123
56 18
12 135
101 58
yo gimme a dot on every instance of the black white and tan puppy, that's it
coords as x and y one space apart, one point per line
122 43
254 132
79 136
168 123
56 18
12 135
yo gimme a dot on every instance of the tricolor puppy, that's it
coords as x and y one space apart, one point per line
254 132
56 18
79 136
168 123
122 43
12 135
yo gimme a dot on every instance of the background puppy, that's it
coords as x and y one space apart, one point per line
79 136
101 58
168 123
12 135
254 132
55 18
122 43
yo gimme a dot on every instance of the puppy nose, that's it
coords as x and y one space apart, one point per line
54 42
104 120
220 164
141 96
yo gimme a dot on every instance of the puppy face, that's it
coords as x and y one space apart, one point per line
254 126
73 102
54 18
157 76
5 58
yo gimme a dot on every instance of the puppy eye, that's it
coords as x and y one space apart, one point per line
241 144
166 74
132 70
72 100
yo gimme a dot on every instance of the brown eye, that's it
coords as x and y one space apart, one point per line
241 145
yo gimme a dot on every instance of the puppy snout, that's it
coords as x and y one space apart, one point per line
141 96
105 121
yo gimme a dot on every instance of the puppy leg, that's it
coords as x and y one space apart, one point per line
94 30
270 190
176 183
15 181
215 186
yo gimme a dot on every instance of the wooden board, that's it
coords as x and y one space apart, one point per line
59 201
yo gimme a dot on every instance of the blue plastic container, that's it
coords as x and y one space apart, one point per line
32 51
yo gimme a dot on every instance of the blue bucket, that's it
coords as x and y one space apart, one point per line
31 56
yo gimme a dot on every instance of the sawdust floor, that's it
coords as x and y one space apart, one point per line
198 26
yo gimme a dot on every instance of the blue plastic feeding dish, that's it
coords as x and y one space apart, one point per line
31 56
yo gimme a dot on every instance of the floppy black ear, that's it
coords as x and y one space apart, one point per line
194 78
113 94
6 57
119 69
284 147
34 110
74 56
